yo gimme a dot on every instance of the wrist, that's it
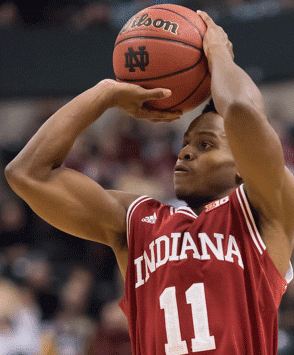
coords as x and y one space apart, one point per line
106 91
90 104
216 53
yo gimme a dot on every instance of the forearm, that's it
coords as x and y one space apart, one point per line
50 145
231 85
254 143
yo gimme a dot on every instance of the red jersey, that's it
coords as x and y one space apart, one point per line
200 284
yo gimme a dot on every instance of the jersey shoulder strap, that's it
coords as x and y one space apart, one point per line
252 228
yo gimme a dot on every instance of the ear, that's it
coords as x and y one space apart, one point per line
239 180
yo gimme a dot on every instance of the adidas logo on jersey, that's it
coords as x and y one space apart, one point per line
150 219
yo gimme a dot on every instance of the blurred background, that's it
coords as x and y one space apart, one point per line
59 294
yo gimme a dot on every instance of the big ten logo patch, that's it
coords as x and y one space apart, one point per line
216 204
137 59
147 21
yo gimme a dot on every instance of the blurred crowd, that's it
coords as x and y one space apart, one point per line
59 294
45 313
93 14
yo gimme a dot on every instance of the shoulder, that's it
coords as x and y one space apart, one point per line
277 205
124 198
276 208
275 221
137 205
144 205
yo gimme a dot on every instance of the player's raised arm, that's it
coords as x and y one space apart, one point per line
63 197
254 143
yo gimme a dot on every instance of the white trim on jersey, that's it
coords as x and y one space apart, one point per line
253 228
187 211
249 219
131 210
289 275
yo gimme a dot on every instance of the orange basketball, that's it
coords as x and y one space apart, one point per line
161 46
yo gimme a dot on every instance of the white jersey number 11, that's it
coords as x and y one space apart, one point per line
195 296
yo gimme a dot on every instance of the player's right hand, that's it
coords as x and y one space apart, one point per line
132 98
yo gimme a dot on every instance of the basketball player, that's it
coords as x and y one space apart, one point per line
202 279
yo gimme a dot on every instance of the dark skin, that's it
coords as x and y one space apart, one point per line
205 170
79 206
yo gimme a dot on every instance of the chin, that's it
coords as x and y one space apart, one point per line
182 194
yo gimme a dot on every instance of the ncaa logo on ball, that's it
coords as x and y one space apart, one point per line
147 21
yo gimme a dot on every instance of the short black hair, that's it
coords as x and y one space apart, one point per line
209 107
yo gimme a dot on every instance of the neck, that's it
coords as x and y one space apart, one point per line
198 203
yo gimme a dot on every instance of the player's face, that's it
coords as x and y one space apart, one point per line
205 169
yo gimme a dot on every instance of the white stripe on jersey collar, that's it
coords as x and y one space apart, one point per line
186 210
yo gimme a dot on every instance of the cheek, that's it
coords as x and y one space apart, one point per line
217 167
220 160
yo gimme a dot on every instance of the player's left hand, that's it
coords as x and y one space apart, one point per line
215 37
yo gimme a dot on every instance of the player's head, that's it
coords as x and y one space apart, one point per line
205 169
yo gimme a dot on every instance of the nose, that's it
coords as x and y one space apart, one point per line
186 154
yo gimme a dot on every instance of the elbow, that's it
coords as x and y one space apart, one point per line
10 172
15 176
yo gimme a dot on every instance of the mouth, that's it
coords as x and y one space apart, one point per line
181 168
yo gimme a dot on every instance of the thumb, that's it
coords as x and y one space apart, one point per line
158 93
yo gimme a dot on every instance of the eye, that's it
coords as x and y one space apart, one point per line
204 145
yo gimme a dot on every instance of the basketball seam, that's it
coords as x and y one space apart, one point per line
160 38
192 93
163 76
191 23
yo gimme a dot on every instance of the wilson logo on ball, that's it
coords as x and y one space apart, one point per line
147 21
137 59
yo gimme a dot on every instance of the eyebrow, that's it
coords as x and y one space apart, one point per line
207 133
204 133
